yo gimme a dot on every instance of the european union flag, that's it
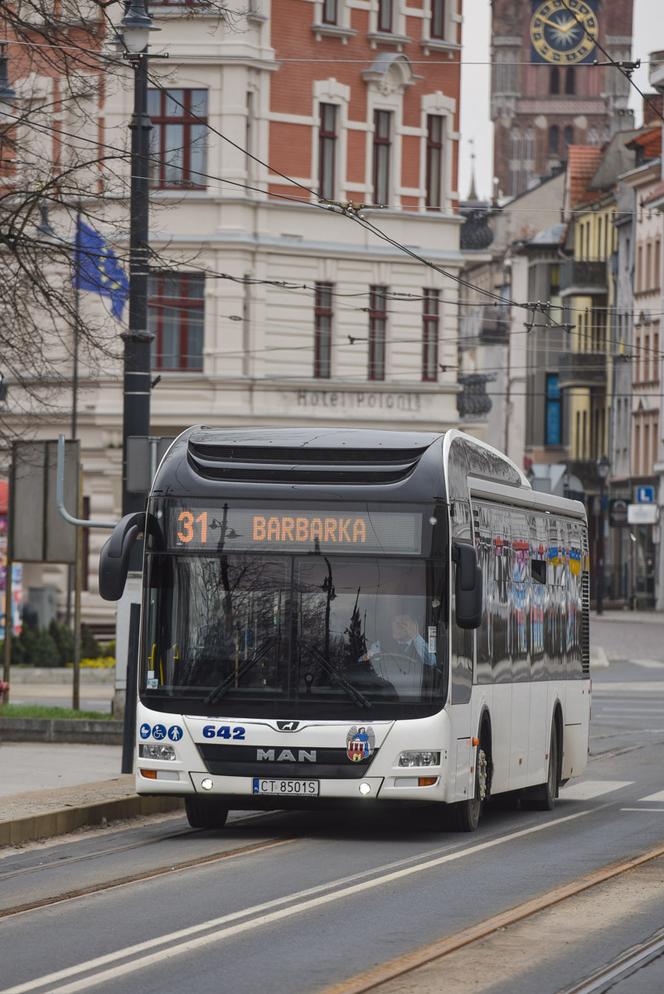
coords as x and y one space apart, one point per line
96 268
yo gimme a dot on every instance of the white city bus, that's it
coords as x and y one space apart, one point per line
335 616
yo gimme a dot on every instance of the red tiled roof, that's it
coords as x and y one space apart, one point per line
650 141
582 163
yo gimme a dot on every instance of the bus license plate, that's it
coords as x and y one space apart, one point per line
288 788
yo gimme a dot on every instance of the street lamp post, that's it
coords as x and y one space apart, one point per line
603 470
136 26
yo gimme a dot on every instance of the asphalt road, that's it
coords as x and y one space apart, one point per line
319 898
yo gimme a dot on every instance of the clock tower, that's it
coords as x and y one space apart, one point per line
546 92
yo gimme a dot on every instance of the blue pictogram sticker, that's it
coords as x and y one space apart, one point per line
159 732
175 733
145 730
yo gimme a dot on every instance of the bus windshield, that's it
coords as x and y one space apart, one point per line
321 635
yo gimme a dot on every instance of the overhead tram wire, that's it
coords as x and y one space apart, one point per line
301 59
626 69
333 207
338 207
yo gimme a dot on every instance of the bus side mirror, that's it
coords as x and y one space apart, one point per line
114 559
467 586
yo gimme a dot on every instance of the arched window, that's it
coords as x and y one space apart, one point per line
568 137
554 140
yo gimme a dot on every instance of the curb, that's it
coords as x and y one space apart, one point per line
22 675
82 730
65 820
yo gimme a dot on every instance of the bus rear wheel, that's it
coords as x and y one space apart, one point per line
466 814
544 798
205 812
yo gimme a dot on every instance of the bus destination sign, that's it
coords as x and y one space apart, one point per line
235 529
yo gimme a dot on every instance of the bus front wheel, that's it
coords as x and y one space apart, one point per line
205 812
466 814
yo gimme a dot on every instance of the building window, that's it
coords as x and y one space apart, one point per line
570 80
382 151
434 200
330 12
656 358
178 138
176 312
554 140
323 331
437 26
553 427
327 151
568 137
377 332
554 80
384 21
430 322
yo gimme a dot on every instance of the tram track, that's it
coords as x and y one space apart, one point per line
56 862
622 967
139 877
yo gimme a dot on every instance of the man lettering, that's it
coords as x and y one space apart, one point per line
316 532
258 530
301 529
344 530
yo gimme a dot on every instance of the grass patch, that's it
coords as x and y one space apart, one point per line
43 711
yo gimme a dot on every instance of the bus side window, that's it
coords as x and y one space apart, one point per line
463 640
500 621
485 556
520 594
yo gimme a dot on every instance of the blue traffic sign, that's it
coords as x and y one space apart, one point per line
645 495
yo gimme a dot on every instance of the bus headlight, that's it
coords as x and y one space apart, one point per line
423 758
149 751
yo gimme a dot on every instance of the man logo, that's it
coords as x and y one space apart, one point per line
286 756
288 726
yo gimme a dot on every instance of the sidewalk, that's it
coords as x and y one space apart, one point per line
633 617
73 786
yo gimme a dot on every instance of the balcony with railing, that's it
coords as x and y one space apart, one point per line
582 369
583 277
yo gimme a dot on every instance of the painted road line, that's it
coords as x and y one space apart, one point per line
658 811
188 939
648 664
371 979
659 796
589 789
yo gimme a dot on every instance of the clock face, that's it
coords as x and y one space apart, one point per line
563 32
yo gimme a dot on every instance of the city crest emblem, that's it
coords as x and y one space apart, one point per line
360 743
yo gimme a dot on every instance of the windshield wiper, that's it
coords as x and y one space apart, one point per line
352 691
227 682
